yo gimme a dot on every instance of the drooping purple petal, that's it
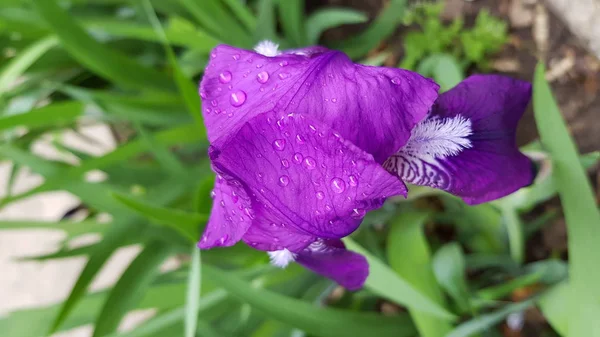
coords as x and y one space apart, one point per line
231 214
385 102
466 146
303 177
331 259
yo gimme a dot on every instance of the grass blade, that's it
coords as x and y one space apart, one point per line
449 269
97 57
266 28
406 238
193 293
323 19
324 322
55 114
386 283
243 14
580 209
291 14
132 284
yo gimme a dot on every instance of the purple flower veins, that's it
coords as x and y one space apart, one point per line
304 143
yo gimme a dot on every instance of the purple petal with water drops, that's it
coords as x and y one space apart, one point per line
325 84
467 145
231 214
303 174
331 259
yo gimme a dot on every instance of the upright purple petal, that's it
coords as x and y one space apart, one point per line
231 214
466 146
331 259
385 102
303 177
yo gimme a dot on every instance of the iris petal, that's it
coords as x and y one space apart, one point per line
466 146
304 179
325 84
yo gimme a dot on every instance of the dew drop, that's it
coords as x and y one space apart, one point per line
283 76
358 213
213 194
396 80
320 195
284 180
222 203
283 63
310 163
279 144
237 98
236 57
352 181
327 208
312 128
234 197
285 163
334 100
225 77
300 139
298 158
213 54
338 185
224 238
202 95
262 77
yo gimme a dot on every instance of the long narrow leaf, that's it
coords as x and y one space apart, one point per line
323 19
193 293
581 212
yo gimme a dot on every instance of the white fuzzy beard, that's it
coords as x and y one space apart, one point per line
281 258
267 48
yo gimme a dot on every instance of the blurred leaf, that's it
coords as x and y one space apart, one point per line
17 65
384 282
266 26
514 228
54 114
193 293
97 57
323 322
449 269
129 288
580 209
406 238
242 12
291 14
72 228
325 18
162 155
385 24
486 321
444 68
552 305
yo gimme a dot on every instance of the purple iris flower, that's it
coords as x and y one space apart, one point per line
305 142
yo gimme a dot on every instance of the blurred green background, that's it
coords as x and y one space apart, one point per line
439 268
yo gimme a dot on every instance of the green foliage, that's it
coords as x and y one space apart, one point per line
463 46
134 65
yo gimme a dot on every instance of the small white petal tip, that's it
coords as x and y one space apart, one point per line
267 48
281 258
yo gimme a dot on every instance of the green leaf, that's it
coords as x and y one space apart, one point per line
449 269
552 305
484 322
72 228
130 287
444 68
97 57
54 114
266 27
514 228
325 18
384 282
291 14
242 12
17 65
323 322
406 238
580 209
185 223
193 293
382 28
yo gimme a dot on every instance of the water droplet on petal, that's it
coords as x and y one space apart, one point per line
358 213
213 54
310 163
396 80
237 98
352 181
279 144
213 102
202 95
338 185
283 76
262 77
334 100
222 203
234 197
327 208
224 238
225 77
283 63
213 194
320 195
300 139
312 128
285 163
298 158
284 180
236 57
